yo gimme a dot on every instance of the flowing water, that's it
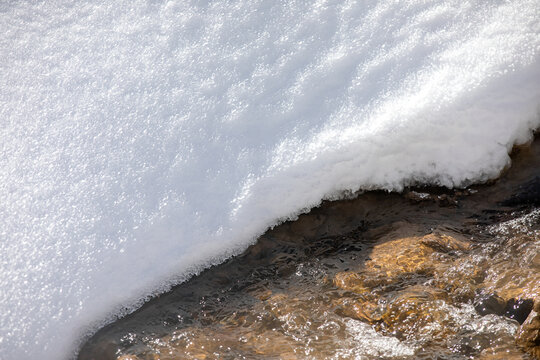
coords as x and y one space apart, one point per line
428 274
144 141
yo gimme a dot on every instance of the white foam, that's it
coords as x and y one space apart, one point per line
366 343
144 140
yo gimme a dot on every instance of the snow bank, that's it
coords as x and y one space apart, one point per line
142 141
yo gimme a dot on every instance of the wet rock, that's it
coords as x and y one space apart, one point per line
414 309
198 343
500 353
490 304
527 194
446 200
348 280
270 344
135 357
513 273
441 200
536 261
401 262
414 254
289 312
518 309
445 243
352 281
264 295
152 356
528 336
104 350
361 310
468 344
399 256
461 279
416 196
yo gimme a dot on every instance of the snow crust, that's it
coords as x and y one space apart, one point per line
142 141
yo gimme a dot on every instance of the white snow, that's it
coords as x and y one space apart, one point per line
142 141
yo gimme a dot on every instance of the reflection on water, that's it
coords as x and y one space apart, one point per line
428 274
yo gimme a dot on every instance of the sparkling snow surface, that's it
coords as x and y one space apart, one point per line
142 141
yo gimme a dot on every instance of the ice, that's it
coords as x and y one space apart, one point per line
142 141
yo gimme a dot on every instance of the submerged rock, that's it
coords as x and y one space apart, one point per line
526 195
445 243
528 336
518 309
490 304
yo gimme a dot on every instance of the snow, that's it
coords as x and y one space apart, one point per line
142 141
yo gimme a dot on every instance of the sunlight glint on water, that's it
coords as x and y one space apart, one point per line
143 141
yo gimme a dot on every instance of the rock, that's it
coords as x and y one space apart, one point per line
416 196
204 343
103 350
445 243
263 295
535 262
361 310
351 281
511 277
461 279
527 194
528 336
518 309
269 343
399 256
445 200
441 200
501 353
415 308
490 304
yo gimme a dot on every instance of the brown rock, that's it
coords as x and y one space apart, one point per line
461 279
415 308
128 357
514 281
396 257
351 281
357 309
528 336
501 354
264 295
445 243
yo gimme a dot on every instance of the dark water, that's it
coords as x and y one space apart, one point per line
429 274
